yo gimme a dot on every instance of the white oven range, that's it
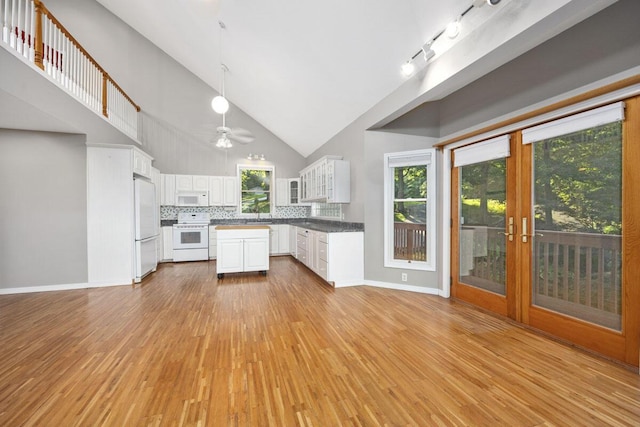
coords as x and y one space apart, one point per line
191 237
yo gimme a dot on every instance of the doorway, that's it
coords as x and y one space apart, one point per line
544 228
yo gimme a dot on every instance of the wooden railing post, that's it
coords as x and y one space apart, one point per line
38 48
105 77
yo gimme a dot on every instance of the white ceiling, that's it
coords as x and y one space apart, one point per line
302 69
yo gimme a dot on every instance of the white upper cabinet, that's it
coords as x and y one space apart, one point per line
200 183
141 163
288 192
223 191
167 189
192 183
327 180
184 183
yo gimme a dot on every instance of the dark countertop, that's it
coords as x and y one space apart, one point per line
325 226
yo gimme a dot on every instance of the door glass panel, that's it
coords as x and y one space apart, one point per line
577 206
482 225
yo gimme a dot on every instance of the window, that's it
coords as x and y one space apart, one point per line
255 189
409 216
326 210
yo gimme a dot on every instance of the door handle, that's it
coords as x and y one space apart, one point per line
525 236
510 229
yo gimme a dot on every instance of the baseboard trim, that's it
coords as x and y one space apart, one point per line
61 287
400 287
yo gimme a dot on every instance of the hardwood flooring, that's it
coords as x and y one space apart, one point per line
285 350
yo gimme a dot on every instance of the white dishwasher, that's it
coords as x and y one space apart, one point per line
242 248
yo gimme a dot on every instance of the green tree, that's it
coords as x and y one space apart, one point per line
579 176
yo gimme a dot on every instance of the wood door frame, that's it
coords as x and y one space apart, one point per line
504 305
621 345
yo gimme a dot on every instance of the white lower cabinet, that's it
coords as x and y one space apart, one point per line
242 249
167 243
336 257
293 241
213 242
279 239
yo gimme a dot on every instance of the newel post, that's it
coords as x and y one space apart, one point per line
38 48
105 77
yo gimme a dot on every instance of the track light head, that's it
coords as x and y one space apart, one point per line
408 68
427 51
480 3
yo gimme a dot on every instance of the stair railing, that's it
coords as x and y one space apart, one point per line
30 29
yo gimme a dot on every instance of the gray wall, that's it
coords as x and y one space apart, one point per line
379 143
175 103
43 200
601 46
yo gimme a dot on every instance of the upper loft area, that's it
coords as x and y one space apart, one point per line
76 96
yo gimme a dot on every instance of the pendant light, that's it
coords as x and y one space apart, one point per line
219 103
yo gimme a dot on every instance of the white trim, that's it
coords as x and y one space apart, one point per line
347 283
399 287
61 287
445 226
432 192
576 122
492 149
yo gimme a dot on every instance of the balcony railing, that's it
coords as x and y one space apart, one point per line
410 241
575 273
30 29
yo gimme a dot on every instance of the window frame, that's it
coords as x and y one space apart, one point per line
241 167
430 220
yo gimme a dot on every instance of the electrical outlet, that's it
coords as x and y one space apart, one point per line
404 277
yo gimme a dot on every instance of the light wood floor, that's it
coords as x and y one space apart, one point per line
286 350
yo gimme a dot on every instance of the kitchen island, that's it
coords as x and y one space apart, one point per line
242 248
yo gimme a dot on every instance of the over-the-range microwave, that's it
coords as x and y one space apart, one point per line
192 198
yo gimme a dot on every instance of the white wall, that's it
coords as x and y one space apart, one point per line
43 205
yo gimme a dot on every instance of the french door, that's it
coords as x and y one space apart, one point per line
546 228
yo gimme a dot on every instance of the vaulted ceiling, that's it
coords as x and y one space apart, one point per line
304 70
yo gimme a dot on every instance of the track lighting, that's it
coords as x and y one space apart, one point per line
256 157
408 68
480 3
427 51
452 31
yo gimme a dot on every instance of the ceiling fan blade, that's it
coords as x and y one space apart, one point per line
240 135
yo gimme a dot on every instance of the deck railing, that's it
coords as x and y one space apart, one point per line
579 269
30 29
410 241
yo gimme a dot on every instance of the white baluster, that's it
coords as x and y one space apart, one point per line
12 36
5 14
19 27
25 31
32 32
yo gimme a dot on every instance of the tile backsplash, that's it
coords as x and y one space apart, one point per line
217 212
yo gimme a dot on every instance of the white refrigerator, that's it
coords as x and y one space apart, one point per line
146 227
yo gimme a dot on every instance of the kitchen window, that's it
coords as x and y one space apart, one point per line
255 189
409 215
